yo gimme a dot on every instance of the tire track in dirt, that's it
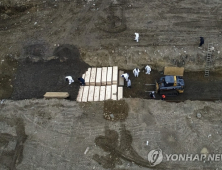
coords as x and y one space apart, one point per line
10 156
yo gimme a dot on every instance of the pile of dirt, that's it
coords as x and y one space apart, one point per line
67 51
115 110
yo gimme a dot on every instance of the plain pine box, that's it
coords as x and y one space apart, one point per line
115 75
58 95
79 97
85 93
91 93
108 92
93 77
98 76
102 93
87 76
109 76
121 79
120 93
104 75
114 92
96 93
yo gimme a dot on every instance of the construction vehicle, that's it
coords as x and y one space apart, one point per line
172 83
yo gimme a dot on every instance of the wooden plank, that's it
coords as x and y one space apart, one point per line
109 76
120 93
96 93
98 76
92 81
85 93
79 97
115 75
58 95
104 75
102 93
91 93
114 92
174 71
108 92
121 79
87 76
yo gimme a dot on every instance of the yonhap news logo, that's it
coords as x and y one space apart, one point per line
156 156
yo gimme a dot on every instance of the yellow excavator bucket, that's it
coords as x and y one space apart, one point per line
173 71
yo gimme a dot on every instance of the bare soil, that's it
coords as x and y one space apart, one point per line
197 87
33 80
44 41
115 110
58 132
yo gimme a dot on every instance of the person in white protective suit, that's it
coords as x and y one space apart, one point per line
137 37
129 83
152 95
126 76
69 78
148 69
136 72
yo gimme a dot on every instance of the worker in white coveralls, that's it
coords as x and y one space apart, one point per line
69 78
148 69
137 37
126 76
129 83
136 72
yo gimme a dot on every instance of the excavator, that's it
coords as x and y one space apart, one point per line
172 83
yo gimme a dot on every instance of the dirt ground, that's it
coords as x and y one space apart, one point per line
197 87
58 133
33 80
44 41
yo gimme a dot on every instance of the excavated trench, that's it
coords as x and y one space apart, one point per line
197 87
32 80
14 10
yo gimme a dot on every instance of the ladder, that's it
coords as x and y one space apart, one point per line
208 60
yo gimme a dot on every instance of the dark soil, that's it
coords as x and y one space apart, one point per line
115 110
34 79
197 87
